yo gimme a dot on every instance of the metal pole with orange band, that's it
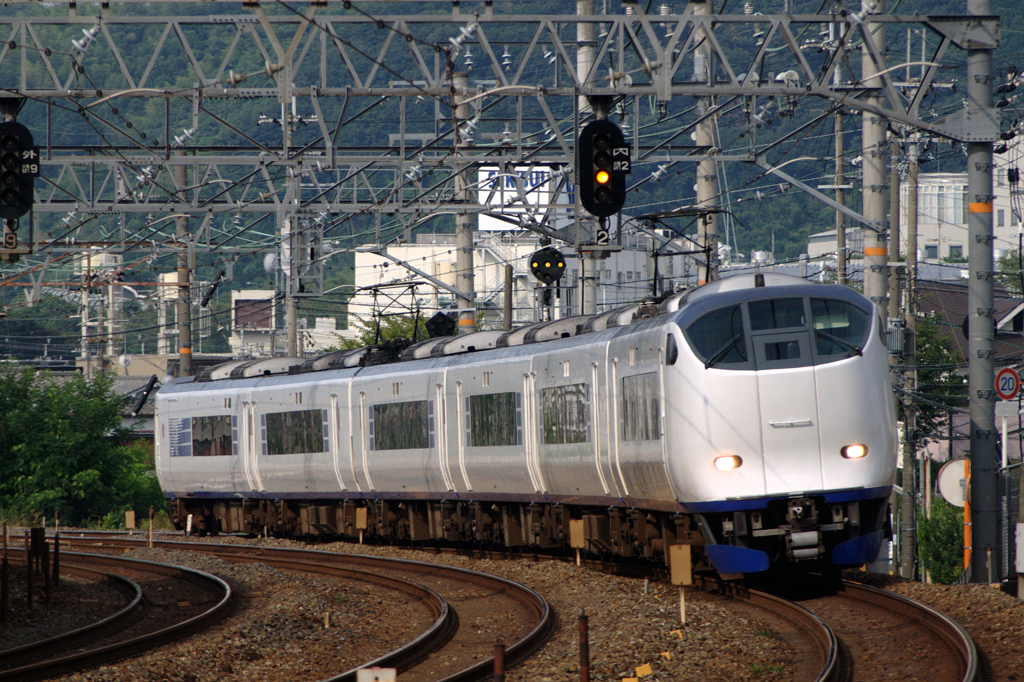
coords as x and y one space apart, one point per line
874 158
984 500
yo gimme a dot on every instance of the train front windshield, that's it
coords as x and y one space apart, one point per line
779 333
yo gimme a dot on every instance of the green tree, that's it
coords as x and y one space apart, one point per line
390 327
62 446
941 542
1009 272
939 386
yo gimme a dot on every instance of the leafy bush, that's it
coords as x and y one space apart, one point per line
941 542
62 446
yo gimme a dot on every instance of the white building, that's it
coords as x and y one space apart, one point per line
942 230
626 276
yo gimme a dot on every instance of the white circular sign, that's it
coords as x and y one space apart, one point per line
953 481
1007 383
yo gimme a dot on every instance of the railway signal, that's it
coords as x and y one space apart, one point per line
547 265
19 165
603 161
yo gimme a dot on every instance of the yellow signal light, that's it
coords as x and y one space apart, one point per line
602 177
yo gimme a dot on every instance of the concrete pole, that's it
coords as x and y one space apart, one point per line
908 550
291 304
184 284
463 222
835 33
110 318
87 360
873 164
984 462
707 171
894 228
585 52
507 324
840 199
586 48
591 267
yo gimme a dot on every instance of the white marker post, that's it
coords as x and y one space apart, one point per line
577 540
1006 409
680 565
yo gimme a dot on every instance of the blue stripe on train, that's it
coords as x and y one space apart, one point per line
762 502
729 559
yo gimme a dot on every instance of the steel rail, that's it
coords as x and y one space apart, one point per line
833 657
224 604
21 656
939 623
515 653
440 631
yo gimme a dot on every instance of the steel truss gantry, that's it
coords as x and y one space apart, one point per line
341 68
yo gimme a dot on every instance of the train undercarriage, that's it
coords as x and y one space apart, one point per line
804 531
503 525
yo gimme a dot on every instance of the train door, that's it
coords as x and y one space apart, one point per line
252 440
531 449
334 426
604 428
441 440
789 428
359 438
458 409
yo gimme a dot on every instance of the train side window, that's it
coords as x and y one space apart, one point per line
640 409
494 419
671 350
211 436
296 432
566 414
718 337
840 328
401 426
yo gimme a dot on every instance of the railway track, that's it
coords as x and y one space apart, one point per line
147 620
860 633
473 610
887 636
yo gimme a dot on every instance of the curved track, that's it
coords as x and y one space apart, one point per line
495 607
146 622
859 633
886 634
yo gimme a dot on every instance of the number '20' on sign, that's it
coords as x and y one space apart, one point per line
1007 383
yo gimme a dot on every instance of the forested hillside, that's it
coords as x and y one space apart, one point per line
764 215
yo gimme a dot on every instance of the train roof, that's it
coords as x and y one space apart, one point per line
734 287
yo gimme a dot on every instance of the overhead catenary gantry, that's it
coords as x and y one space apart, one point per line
343 66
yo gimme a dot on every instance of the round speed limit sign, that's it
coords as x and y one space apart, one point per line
1007 383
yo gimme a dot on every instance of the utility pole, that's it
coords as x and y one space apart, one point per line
836 34
908 550
291 303
984 463
86 358
707 172
184 309
463 222
894 228
873 164
840 199
584 63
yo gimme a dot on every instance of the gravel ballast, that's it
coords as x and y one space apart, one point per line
279 631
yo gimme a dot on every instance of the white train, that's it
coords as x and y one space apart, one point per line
752 418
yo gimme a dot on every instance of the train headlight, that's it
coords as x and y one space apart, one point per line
728 463
854 451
